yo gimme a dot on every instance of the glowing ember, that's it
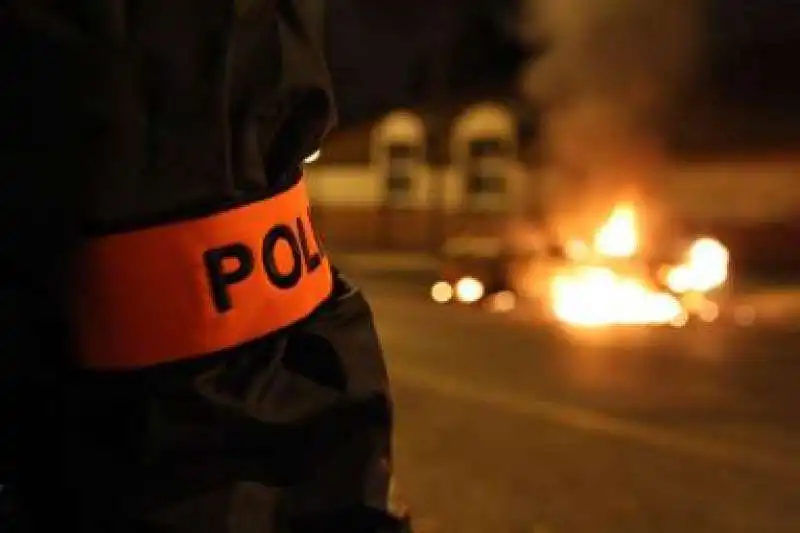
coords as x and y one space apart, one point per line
593 294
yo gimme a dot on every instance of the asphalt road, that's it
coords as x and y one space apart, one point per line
511 426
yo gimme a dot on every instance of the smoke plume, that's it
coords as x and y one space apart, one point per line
607 82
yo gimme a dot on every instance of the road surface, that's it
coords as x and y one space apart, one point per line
505 426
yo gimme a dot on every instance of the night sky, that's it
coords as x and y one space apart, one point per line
755 47
379 51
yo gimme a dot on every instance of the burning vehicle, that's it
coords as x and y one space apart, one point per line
605 280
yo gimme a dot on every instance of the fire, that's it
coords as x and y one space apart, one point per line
705 269
597 296
594 292
619 236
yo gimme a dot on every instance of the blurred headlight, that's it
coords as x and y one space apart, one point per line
469 290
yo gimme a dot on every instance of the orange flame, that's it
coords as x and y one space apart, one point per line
591 293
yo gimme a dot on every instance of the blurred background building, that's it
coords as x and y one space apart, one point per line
467 117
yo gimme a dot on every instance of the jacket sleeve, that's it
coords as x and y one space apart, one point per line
224 429
352 488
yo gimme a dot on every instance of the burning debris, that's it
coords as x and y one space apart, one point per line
603 281
605 285
606 86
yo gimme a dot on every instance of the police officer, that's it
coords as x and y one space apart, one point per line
178 354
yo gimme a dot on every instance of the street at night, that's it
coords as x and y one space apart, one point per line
576 224
507 425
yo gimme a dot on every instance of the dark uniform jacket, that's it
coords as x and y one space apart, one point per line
165 363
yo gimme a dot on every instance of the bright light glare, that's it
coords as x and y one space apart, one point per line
705 269
619 236
469 290
596 296
441 292
312 157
